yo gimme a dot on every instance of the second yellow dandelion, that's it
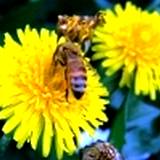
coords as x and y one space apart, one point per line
129 41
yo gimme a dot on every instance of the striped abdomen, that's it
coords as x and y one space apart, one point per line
77 77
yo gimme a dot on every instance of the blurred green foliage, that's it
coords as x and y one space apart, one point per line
134 121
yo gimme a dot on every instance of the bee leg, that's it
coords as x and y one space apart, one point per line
67 93
67 89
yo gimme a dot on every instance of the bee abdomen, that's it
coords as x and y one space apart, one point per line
78 85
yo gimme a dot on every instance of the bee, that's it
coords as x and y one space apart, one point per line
78 28
68 55
101 151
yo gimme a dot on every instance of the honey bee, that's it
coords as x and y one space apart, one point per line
101 151
68 55
78 28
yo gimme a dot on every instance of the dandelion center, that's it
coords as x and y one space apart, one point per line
136 43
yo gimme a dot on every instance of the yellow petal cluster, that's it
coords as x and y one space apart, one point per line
33 101
129 41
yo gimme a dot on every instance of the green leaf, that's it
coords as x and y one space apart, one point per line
117 136
72 157
65 157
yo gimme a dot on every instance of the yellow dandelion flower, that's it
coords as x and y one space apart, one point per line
33 102
129 40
